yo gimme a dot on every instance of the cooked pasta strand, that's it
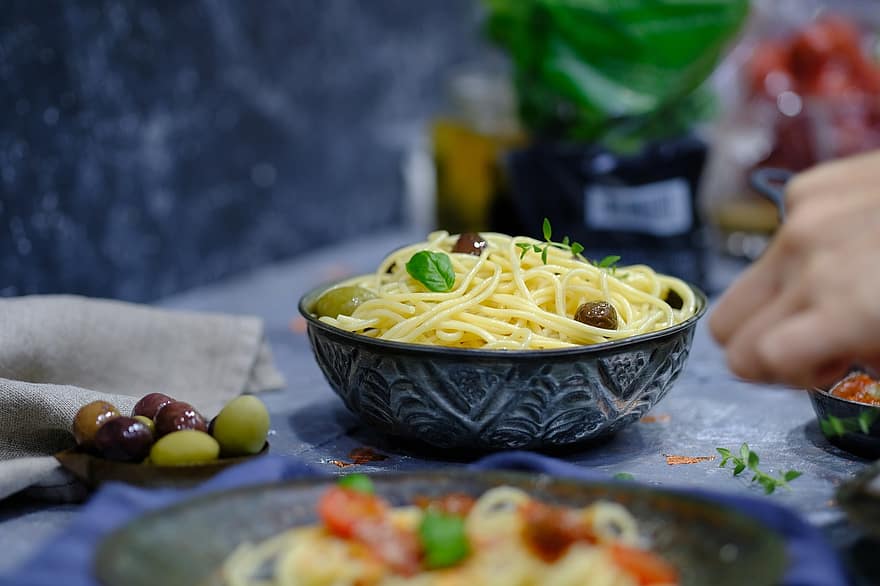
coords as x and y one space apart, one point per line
504 300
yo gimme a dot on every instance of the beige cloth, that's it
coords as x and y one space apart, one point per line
58 353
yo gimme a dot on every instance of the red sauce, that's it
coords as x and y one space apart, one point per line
858 387
365 455
549 531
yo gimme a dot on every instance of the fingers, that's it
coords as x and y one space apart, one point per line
743 349
851 173
753 290
806 349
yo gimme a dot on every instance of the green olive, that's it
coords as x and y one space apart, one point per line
342 300
148 422
188 446
241 426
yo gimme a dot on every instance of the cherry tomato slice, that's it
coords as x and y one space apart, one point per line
341 509
646 567
364 517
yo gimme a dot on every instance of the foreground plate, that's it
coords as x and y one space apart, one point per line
186 543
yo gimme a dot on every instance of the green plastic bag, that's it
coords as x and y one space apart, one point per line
617 72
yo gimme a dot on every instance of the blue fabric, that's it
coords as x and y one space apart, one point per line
67 559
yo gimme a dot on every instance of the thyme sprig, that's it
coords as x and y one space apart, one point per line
749 459
575 247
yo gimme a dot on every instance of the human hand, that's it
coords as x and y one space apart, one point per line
810 306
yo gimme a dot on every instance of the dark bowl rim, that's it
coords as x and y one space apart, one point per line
825 394
313 321
609 488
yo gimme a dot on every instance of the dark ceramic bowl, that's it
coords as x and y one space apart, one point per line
185 544
851 426
499 399
860 498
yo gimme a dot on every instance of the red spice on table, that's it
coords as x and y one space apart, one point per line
340 463
656 418
362 455
365 455
677 460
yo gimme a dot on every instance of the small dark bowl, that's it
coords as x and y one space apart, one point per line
499 399
851 426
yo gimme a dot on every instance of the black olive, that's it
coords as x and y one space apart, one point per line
470 243
674 300
600 314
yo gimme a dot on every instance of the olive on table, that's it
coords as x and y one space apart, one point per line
241 426
150 404
600 314
151 425
180 448
90 418
124 439
470 243
342 300
176 416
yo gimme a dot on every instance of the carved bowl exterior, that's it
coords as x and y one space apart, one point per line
499 399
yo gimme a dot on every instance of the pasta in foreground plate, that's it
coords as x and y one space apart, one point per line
504 538
504 294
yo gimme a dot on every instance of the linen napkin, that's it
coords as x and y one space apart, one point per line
68 558
58 353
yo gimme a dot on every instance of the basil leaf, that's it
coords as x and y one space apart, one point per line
623 476
357 483
609 261
443 539
548 232
432 269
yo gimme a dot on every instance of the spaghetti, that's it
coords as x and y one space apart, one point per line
512 540
509 299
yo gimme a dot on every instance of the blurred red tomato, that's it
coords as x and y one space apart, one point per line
767 71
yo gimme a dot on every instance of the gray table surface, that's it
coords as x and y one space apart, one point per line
707 408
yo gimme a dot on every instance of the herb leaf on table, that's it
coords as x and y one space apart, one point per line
749 459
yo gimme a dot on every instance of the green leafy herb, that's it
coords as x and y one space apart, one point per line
575 247
618 73
837 426
358 483
443 539
623 476
609 262
749 459
432 269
